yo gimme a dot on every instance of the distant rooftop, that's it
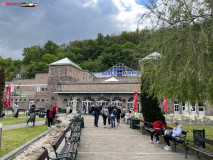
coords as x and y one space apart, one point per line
154 55
64 62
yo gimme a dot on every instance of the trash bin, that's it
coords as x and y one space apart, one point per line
81 120
133 122
196 135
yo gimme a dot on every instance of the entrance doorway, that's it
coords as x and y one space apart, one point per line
87 102
102 101
71 102
117 101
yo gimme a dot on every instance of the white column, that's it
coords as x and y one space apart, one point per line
74 105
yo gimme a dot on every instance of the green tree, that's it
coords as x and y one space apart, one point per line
51 47
33 53
185 39
150 104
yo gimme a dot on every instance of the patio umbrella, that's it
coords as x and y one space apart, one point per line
7 97
135 104
165 105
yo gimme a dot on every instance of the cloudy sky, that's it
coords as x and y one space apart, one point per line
62 21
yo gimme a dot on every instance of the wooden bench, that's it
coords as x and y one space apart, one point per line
75 133
199 144
44 155
69 149
147 126
182 140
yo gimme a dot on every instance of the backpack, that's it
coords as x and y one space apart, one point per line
114 111
105 112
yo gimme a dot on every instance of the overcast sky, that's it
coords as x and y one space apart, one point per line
62 21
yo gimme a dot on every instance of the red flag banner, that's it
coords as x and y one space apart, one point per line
135 104
165 105
7 97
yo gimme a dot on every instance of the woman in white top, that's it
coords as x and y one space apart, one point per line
176 133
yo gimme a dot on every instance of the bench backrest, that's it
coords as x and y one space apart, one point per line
43 155
58 142
67 129
204 140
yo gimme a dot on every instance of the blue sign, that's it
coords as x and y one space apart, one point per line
120 73
120 69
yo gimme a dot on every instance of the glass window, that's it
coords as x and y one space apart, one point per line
184 108
201 108
193 108
176 107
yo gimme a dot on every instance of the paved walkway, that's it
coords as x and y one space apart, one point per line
121 143
20 125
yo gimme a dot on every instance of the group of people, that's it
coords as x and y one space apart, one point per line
159 126
110 113
50 114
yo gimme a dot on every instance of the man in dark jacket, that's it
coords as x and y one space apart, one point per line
50 116
97 112
110 108
32 114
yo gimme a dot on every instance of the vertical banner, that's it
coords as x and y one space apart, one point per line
165 105
135 104
7 97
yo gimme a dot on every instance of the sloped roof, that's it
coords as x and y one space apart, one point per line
113 79
154 55
64 62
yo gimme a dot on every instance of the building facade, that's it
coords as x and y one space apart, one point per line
66 83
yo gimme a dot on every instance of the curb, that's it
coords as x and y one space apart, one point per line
18 150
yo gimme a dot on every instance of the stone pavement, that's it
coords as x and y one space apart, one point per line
99 143
21 125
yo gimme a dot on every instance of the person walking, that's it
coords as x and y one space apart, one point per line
123 112
84 108
112 116
176 133
110 108
157 126
32 114
50 116
118 116
96 111
105 112
15 110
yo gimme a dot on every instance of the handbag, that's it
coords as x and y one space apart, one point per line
93 113
168 132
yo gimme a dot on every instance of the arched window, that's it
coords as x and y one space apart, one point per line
130 103
102 101
71 102
117 101
87 102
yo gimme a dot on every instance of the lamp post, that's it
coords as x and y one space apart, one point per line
0 134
